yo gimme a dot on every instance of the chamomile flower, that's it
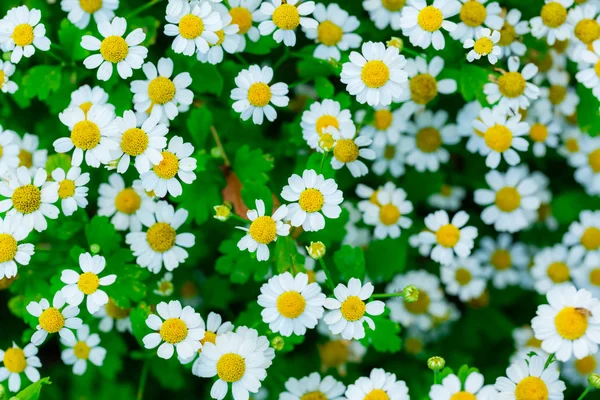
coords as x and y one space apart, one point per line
379 385
15 361
176 162
552 22
159 95
449 198
474 16
386 127
291 304
503 260
464 278
347 151
570 145
72 189
527 378
111 315
125 53
229 39
423 23
585 233
7 69
21 33
349 309
322 115
389 157
254 95
213 327
312 196
244 14
195 28
511 90
569 325
12 253
312 385
376 76
385 13
553 266
485 44
389 214
30 155
85 97
284 17
54 319
90 135
587 276
452 387
511 33
165 287
161 244
33 200
586 28
263 230
334 32
85 347
560 98
577 371
543 130
81 11
587 164
423 144
87 283
176 328
451 237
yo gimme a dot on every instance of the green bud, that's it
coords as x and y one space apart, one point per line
436 363
216 152
277 343
411 294
95 248
316 250
594 381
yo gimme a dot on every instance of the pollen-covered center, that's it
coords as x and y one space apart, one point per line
66 188
383 119
311 200
473 13
241 17
51 320
507 199
557 94
591 238
82 350
531 388
586 365
498 138
375 74
420 306
128 201
587 30
353 308
14 360
538 132
85 135
571 323
114 49
27 199
446 190
423 88
594 160
191 26
483 45
161 237
508 34
463 276
345 150
173 330
430 18
8 247
313 396
231 367
325 121
448 235
572 145
90 6
291 304
501 259
263 230
428 139
377 394
2 76
25 159
286 17
168 167
558 272
134 142
88 283
512 84
463 395
393 5
161 90
389 214
329 33
23 35
553 14
259 94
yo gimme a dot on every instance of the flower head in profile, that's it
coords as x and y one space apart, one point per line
263 230
21 33
83 348
16 361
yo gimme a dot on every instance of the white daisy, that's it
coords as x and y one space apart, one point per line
15 361
464 278
529 378
511 34
560 98
585 233
503 260
7 69
229 39
449 198
570 143
214 327
485 44
85 97
379 385
21 33
472 388
284 18
552 22
526 342
511 90
72 191
126 54
53 319
587 164
312 385
586 28
422 23
111 315
165 287
474 16
587 276
553 267
195 28
350 309
385 13
30 155
544 129
336 352
12 231
450 237
576 371
348 149
322 115
386 127
389 157
81 11
389 214
244 14
82 349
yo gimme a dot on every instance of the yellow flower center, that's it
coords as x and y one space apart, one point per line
263 230
508 34
483 45
259 94
594 160
557 94
587 30
209 337
313 396
325 121
345 150
166 287
531 388
448 235
586 365
85 107
558 272
473 13
377 394
389 152
571 323
498 138
23 35
383 119
553 14
508 199
291 304
334 353
8 247
373 198
161 90
90 6
114 49
231 367
51 320
88 283
389 214
134 142
501 259
329 33
66 188
463 395
430 19
591 238
353 308
393 5
545 63
14 360
512 84
173 330
85 135
375 74
538 132
27 199
429 139
161 237
128 201
420 306
572 145
82 350
168 167
241 17
595 277
463 276
116 312
25 159
191 26
311 200
423 88
286 17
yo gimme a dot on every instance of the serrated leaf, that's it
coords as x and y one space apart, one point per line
385 338
240 266
252 165
198 124
42 80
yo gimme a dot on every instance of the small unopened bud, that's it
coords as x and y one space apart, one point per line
316 250
277 343
411 294
436 363
95 248
326 142
223 212
594 380
216 152
395 42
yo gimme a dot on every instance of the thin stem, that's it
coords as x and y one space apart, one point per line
435 377
585 392
323 162
215 135
387 295
51 53
549 360
142 8
143 379
327 274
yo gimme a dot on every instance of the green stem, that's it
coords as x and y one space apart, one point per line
143 379
435 377
327 274
585 392
322 162
51 53
142 8
549 361
387 295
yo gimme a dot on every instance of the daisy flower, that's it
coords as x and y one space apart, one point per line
512 201
511 90
389 157
244 14
161 244
72 191
7 69
229 39
379 384
263 230
348 149
12 231
560 98
176 328
503 260
253 95
334 32
570 324
449 198
214 327
124 204
87 283
423 23
313 196
21 33
336 352
111 315
322 115
553 266
528 378
585 233
587 276
85 97
587 164
501 136
54 319
511 33
90 135
423 144
83 348
126 54
474 15
376 76
386 127
349 310
586 28
81 11
31 200
577 371
30 155
526 342
312 385
385 13
552 22
570 143
449 237
15 361
544 129
464 278
485 44
176 162
389 214
165 287
160 95
452 387
291 304
284 18
195 28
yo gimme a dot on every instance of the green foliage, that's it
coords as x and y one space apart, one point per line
350 262
385 338
33 391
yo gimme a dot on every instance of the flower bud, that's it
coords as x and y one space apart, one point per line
316 250
411 294
223 212
594 380
277 343
395 42
436 363
95 248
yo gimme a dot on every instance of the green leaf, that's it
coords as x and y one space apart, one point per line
444 373
472 79
311 67
324 87
206 79
240 266
168 373
588 111
254 191
102 233
385 338
287 257
350 261
217 293
69 37
198 124
264 46
386 258
138 317
252 165
42 80
129 285
32 392
567 206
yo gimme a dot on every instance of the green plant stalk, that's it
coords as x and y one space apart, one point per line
585 392
387 295
549 360
143 379
327 274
